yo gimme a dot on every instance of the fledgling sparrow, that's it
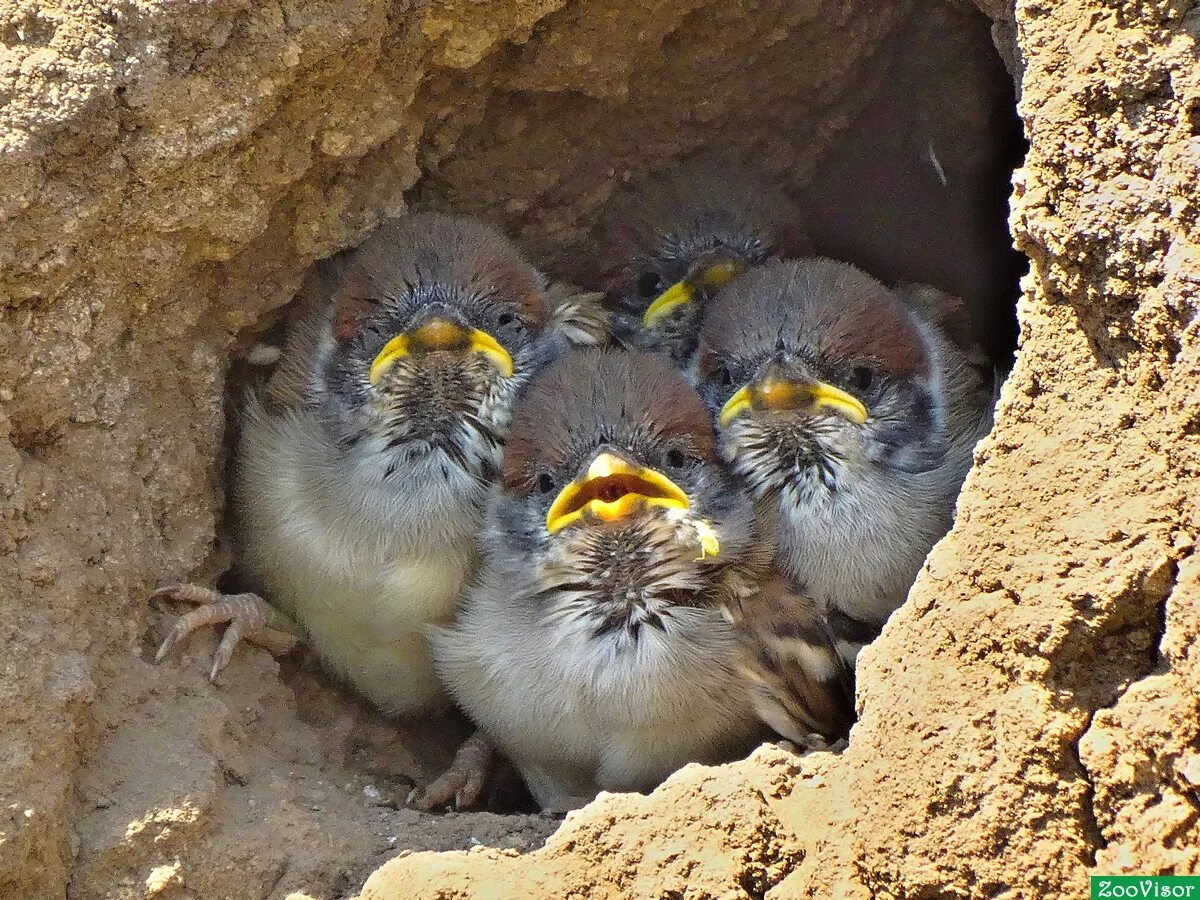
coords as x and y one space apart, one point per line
672 241
362 470
851 414
593 648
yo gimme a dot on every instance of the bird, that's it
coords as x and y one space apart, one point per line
362 470
593 647
672 241
846 410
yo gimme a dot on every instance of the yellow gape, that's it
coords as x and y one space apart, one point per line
712 277
783 394
613 489
610 490
439 334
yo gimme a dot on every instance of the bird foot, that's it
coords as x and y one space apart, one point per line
814 744
244 615
463 781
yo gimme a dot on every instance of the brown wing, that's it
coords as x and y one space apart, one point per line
948 314
801 686
579 317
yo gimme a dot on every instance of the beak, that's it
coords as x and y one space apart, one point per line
439 334
612 489
711 277
779 394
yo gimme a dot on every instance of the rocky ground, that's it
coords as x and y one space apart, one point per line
168 171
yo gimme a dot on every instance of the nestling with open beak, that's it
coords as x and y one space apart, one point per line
674 241
362 471
593 648
850 413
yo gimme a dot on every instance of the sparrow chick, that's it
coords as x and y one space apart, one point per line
593 648
362 471
852 415
674 241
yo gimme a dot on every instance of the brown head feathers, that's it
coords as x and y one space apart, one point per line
829 310
429 249
593 396
706 199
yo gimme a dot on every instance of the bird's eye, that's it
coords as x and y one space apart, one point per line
722 376
676 458
650 284
505 319
861 378
545 483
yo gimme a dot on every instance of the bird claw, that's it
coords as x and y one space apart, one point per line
463 781
244 615
814 743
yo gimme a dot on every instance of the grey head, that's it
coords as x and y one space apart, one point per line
433 325
676 239
821 381
613 502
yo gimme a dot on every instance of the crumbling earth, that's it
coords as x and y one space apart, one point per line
169 171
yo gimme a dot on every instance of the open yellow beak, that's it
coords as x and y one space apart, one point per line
782 394
683 292
610 490
438 334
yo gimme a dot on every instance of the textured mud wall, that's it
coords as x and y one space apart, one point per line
170 169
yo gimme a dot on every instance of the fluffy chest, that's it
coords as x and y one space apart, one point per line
582 703
642 658
334 585
352 537
859 547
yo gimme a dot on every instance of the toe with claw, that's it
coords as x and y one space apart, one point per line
463 781
244 616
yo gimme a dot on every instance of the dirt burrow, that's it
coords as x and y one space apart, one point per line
170 171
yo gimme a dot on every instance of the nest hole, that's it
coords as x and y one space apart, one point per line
903 168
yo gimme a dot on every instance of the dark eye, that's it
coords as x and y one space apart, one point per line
505 319
861 378
545 483
722 377
676 458
649 284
